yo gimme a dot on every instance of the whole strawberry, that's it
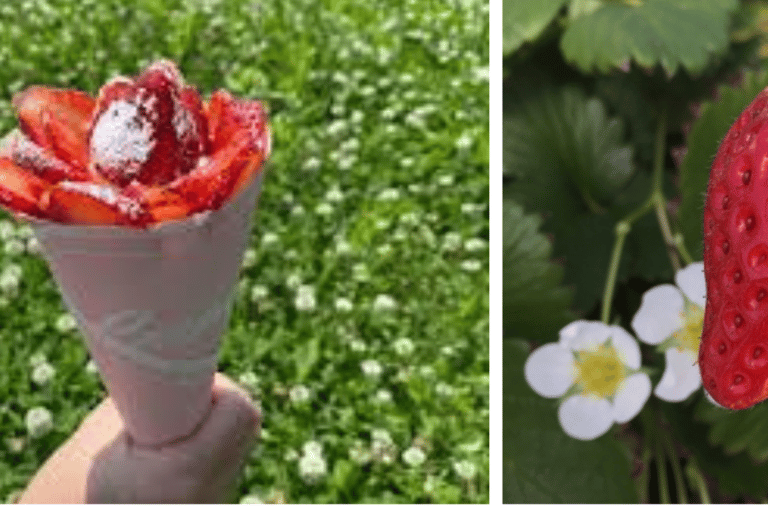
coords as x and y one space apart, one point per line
733 355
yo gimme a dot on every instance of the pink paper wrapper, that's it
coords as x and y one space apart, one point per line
153 305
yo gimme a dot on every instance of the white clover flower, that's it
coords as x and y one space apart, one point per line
311 164
414 456
465 469
471 265
43 373
39 421
14 247
475 245
350 145
343 247
297 210
357 117
7 231
258 292
444 389
336 127
37 359
359 453
15 444
383 396
446 180
382 436
399 234
452 241
33 246
66 323
249 379
371 368
9 283
388 113
291 455
470 208
324 209
269 238
360 272
13 270
672 318
312 468
382 224
594 367
91 367
293 281
334 195
312 447
403 346
426 371
250 499
481 74
384 302
299 393
357 345
305 298
389 194
249 258
291 254
409 218
447 350
343 304
465 141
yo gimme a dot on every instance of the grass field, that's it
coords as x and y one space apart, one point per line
361 320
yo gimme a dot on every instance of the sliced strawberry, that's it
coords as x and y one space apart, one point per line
56 119
143 130
190 99
21 191
43 162
161 204
89 203
214 181
227 115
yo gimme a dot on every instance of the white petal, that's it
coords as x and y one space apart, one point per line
631 397
681 376
549 370
585 417
584 335
626 347
712 400
691 280
660 314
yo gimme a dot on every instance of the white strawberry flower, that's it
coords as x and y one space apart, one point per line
671 317
594 367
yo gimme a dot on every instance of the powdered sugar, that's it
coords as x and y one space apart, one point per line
123 137
106 194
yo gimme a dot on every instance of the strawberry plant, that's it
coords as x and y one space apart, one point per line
635 251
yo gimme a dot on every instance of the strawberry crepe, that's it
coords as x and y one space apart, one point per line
146 151
142 203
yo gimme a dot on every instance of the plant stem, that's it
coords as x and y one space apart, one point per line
694 474
661 472
658 191
622 230
682 491
645 474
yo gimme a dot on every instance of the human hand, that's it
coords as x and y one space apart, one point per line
101 464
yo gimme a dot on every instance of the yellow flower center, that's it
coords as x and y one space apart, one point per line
688 336
600 371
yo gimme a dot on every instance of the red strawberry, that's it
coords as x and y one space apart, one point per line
145 130
733 356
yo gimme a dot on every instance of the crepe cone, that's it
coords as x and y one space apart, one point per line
153 305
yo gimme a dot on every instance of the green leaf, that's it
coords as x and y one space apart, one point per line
541 463
559 134
566 161
736 474
524 21
672 33
703 141
737 431
535 305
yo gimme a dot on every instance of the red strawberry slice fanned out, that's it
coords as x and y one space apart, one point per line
42 162
57 120
97 204
733 355
21 191
227 115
